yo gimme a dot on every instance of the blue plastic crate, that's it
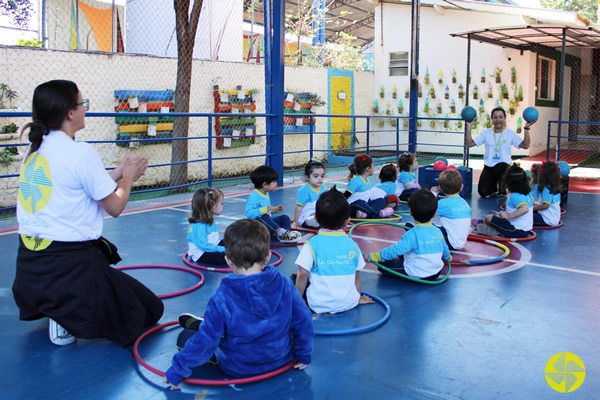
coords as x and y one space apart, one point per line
428 177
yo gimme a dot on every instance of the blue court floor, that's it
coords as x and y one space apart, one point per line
487 333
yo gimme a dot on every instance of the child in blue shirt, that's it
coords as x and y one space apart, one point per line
258 206
204 245
358 190
546 208
422 251
453 210
331 261
407 183
254 322
308 194
517 220
384 193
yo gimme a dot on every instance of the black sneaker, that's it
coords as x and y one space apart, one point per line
189 321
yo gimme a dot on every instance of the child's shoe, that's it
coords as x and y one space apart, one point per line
386 212
487 230
189 321
361 214
59 335
289 237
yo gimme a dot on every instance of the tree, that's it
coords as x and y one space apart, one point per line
19 11
585 8
186 25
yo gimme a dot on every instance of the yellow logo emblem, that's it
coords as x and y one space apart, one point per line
565 372
351 255
35 186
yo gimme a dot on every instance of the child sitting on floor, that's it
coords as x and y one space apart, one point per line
331 261
308 194
254 322
204 245
453 210
358 190
422 250
546 196
258 206
517 220
407 183
384 193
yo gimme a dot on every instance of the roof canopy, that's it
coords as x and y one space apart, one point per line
536 37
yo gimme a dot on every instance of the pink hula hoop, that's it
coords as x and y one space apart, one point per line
213 269
503 239
168 295
193 381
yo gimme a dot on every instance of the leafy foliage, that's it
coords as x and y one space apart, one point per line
586 8
29 43
19 11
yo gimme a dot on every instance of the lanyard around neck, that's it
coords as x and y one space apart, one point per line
497 143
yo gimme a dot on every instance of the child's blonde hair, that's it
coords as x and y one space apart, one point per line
203 205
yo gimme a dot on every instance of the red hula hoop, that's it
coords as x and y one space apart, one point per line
168 295
532 236
193 381
560 223
213 269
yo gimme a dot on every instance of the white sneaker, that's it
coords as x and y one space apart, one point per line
59 335
290 237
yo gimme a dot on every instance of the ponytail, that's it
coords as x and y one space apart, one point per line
37 131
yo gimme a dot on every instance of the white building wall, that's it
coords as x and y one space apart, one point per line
439 51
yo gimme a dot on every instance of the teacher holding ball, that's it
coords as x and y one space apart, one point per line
498 142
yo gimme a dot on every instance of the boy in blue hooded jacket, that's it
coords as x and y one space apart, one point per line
255 321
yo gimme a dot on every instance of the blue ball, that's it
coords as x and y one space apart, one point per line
468 114
564 168
530 114
442 159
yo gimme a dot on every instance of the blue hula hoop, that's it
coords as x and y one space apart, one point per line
365 328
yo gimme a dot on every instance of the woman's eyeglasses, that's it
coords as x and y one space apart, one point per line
85 103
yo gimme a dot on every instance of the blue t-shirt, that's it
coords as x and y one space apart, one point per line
525 221
359 187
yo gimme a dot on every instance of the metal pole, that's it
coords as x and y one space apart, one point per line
414 76
560 92
210 143
274 15
465 147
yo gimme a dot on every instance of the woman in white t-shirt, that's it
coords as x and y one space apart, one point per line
63 262
497 157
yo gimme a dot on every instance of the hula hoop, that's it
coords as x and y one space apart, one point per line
215 382
410 278
394 217
487 260
168 295
532 235
213 269
365 328
560 223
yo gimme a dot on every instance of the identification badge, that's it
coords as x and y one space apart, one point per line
496 157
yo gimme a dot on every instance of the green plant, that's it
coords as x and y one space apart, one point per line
6 93
30 43
8 154
10 128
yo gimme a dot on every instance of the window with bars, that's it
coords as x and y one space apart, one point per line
399 63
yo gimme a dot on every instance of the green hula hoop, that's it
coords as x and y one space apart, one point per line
403 276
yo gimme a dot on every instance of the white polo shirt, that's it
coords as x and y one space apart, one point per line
497 145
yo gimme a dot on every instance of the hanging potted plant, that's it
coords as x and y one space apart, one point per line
381 92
